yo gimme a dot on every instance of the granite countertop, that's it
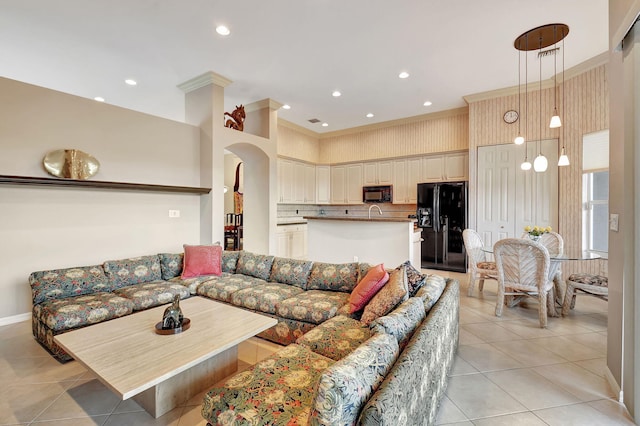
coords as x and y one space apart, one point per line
294 220
361 219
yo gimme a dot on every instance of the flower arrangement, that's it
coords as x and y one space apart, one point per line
536 231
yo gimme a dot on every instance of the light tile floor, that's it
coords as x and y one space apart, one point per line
508 371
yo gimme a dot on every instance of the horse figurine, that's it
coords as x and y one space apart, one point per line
173 317
237 118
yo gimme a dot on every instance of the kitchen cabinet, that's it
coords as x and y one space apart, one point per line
346 184
296 182
285 181
323 184
292 241
377 173
407 173
445 167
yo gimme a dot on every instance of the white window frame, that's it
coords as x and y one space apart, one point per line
587 208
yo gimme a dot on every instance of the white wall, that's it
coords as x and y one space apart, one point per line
43 228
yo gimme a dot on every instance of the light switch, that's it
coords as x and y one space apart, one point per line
613 222
174 213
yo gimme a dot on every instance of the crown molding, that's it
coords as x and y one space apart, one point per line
284 123
265 103
581 68
401 121
203 80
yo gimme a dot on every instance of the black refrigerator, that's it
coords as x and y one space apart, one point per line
442 215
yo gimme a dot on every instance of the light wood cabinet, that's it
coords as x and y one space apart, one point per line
323 184
377 173
296 182
292 241
407 173
346 184
445 167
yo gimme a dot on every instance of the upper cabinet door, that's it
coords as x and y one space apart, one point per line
354 184
400 192
298 183
385 172
323 184
414 177
433 168
286 179
456 166
338 184
370 171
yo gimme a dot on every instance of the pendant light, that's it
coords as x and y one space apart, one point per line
547 35
563 160
519 140
540 163
526 165
555 120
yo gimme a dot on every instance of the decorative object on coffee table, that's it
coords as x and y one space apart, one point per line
173 322
236 120
70 164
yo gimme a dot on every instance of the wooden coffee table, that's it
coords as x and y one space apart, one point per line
161 371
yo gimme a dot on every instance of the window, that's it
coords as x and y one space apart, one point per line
595 212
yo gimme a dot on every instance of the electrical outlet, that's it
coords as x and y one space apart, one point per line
346 211
613 222
174 213
355 258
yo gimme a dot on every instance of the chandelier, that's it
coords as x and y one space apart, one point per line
537 39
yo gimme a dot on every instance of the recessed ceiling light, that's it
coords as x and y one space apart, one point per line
336 93
403 74
222 30
131 82
427 103
285 106
325 124
99 99
369 115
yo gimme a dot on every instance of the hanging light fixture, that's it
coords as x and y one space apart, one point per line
555 119
563 160
526 165
546 35
519 140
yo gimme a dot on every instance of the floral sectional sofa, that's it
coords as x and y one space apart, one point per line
333 371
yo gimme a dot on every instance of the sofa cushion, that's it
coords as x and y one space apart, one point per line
278 390
70 282
134 270
202 260
394 292
148 295
415 278
222 288
286 331
264 298
367 287
314 306
333 276
402 321
291 271
170 265
193 283
344 388
336 338
79 311
230 261
255 265
431 291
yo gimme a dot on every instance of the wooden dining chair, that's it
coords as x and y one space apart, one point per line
479 267
523 270
233 230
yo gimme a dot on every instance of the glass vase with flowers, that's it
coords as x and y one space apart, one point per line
536 232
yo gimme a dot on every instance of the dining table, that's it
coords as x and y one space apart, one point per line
556 258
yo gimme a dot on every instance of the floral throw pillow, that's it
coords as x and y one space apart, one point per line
394 292
415 279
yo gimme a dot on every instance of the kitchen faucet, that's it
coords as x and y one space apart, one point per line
376 206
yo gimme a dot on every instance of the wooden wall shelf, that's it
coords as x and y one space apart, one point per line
94 184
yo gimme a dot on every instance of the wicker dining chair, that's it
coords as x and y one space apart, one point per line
479 267
523 270
554 244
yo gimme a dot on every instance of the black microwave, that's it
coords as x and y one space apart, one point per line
377 194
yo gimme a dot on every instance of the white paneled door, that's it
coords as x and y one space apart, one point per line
510 198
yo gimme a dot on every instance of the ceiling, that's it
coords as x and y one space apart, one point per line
292 51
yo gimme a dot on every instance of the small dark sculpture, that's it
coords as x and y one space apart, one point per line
173 317
237 118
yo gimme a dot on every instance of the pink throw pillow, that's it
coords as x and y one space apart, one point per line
202 260
367 287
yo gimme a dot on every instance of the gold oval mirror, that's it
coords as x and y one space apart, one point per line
71 164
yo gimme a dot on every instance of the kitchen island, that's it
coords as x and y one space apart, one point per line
376 240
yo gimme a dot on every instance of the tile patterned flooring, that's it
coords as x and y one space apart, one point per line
508 371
